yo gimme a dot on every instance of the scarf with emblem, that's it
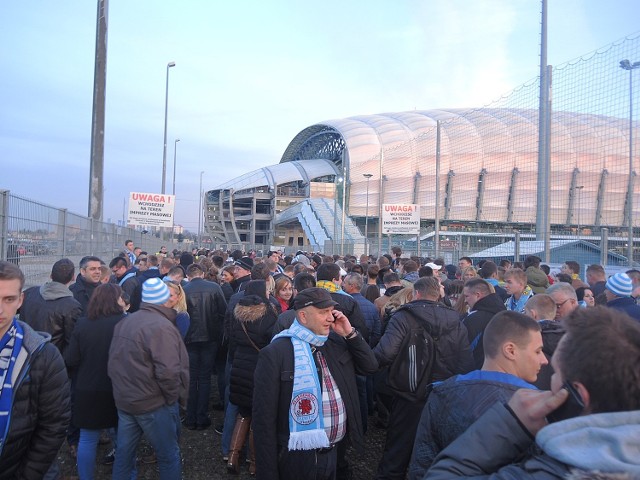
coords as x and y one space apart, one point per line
306 425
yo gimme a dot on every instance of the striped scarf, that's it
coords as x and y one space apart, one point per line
306 423
10 345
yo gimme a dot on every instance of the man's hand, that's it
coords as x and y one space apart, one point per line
532 406
341 324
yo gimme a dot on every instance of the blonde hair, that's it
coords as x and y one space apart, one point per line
181 306
271 286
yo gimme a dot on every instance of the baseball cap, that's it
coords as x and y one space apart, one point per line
316 297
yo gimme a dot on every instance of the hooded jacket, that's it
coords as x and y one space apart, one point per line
148 362
40 409
258 318
51 308
477 320
575 446
552 332
537 279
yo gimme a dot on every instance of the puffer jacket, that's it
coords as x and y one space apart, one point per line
453 355
206 306
258 317
51 308
40 411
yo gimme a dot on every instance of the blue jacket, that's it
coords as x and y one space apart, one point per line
627 305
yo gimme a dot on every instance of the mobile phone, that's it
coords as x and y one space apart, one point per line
572 407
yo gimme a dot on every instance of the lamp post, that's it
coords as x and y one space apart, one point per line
175 153
338 181
366 216
166 109
630 67
577 201
200 210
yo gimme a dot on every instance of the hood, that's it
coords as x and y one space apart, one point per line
578 442
411 277
552 332
492 303
54 291
393 290
250 309
537 280
440 317
33 339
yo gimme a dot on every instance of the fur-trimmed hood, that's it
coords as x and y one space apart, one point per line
251 308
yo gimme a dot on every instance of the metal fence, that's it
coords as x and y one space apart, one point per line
34 236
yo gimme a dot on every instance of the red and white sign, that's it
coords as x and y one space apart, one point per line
398 219
151 209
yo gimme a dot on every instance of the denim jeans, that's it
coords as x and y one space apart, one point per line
87 447
200 368
162 429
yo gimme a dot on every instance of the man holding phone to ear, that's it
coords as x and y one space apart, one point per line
595 395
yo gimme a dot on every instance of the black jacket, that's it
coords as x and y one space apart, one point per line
476 321
348 306
258 317
552 332
51 308
88 352
206 306
273 382
132 285
40 412
453 355
82 291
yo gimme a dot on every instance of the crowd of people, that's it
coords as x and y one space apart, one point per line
490 370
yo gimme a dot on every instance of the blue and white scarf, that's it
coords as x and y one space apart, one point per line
10 345
306 423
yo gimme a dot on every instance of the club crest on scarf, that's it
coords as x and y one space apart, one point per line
304 408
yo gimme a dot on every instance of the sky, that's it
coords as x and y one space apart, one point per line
249 76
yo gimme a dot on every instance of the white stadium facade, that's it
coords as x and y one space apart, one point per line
487 163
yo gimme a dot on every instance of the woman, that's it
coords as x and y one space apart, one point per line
178 301
284 292
88 352
469 273
251 327
226 277
586 298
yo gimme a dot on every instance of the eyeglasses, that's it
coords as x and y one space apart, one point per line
559 305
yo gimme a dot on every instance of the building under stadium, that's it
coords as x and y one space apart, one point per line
334 177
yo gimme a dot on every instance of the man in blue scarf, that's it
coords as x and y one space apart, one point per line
34 388
305 393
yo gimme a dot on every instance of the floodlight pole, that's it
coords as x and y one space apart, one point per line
166 110
366 216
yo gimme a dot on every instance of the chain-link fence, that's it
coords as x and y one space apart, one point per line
34 236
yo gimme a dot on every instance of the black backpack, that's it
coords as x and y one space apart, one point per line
410 374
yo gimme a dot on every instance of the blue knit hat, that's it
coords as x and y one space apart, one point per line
155 291
620 284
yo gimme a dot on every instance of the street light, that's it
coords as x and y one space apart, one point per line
627 65
366 216
175 151
200 211
577 200
166 108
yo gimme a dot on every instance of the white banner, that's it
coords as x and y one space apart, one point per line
401 218
151 209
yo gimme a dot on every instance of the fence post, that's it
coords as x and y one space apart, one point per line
516 247
604 246
4 224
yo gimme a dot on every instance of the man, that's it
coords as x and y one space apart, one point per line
206 306
600 442
597 279
141 265
464 263
149 369
542 308
564 295
34 398
536 278
352 284
392 286
489 273
87 281
515 283
276 256
305 395
152 270
618 291
410 273
452 356
125 276
483 306
572 268
163 251
51 307
241 273
128 250
513 358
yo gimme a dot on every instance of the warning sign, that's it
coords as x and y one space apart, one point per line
401 218
151 209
